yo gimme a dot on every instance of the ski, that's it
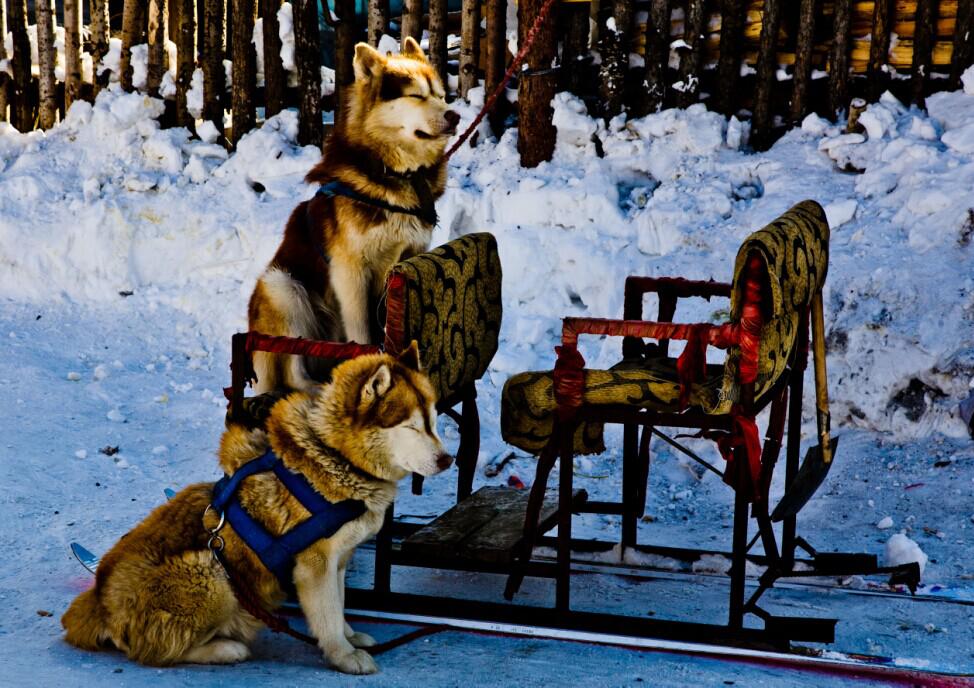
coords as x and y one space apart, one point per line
87 559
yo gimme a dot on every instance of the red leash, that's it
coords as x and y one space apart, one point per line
518 59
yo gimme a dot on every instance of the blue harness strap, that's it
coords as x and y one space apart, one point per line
278 553
337 188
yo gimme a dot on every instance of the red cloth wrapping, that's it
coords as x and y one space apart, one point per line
751 320
691 366
744 436
307 347
569 383
395 313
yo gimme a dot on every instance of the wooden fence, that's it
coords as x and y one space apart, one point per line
774 60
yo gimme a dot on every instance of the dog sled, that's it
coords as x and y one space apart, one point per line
449 301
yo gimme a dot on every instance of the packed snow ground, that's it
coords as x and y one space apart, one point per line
128 253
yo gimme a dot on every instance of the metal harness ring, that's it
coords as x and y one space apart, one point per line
216 529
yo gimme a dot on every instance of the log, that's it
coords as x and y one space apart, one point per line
73 11
345 39
690 60
133 29
378 20
469 45
878 73
21 108
767 67
100 33
803 60
728 65
4 77
307 60
856 108
186 56
650 96
438 32
922 51
275 80
536 86
244 74
47 87
963 47
158 36
614 51
839 59
214 48
574 54
496 58
412 19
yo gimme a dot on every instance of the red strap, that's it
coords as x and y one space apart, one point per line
691 366
744 436
569 384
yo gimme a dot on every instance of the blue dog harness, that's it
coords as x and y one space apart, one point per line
278 553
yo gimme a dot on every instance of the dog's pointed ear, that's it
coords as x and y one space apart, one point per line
410 357
411 49
368 62
377 385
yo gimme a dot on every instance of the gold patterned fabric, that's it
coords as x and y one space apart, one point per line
452 308
795 250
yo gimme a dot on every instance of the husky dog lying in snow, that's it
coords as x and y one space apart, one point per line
337 250
161 597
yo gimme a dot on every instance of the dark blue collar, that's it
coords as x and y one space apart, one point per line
277 553
425 212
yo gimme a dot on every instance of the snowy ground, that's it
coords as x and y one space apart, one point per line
108 204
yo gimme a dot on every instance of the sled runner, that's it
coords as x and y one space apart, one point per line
449 301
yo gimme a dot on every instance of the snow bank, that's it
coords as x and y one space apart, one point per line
108 202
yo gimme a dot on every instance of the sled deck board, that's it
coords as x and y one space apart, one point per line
487 526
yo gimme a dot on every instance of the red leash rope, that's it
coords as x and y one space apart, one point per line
508 75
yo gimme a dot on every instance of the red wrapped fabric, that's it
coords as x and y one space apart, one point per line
751 320
744 436
395 313
569 382
307 347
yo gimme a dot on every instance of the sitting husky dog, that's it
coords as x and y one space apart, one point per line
337 250
162 598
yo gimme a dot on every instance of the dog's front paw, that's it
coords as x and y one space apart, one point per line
359 639
355 662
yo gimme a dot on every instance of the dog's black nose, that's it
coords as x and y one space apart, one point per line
443 461
452 118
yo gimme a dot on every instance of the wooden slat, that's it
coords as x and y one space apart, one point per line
487 526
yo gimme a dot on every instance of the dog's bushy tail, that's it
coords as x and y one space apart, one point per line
86 622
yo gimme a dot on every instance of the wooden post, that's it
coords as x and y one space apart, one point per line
244 69
21 108
438 31
3 56
73 11
651 94
47 87
614 50
100 33
729 63
803 60
536 86
963 55
275 80
856 108
133 27
767 67
378 20
839 58
186 56
923 37
158 35
496 58
307 60
214 48
877 73
345 39
574 51
690 61
469 45
412 19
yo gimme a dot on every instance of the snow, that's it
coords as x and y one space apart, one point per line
107 203
902 550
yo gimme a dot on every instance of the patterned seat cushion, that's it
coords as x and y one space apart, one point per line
452 307
795 249
528 402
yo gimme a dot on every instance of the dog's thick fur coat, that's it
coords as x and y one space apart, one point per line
330 269
160 596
